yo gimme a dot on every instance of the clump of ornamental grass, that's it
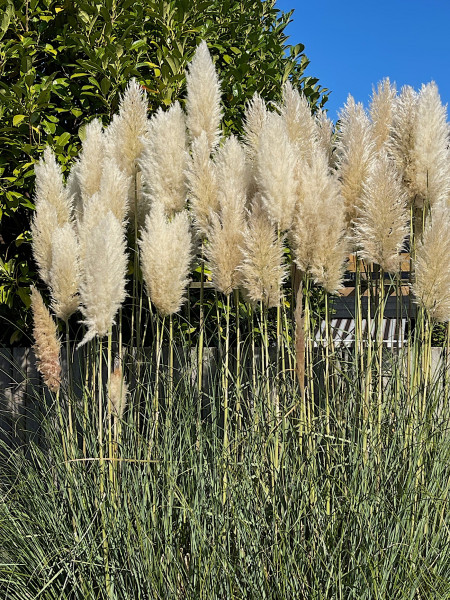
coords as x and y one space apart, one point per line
166 255
163 162
202 184
262 270
432 267
381 111
318 234
65 272
103 268
53 210
382 225
47 346
355 152
275 171
204 112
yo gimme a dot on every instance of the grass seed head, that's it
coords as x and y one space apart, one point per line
46 342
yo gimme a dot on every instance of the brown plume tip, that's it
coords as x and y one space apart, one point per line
47 345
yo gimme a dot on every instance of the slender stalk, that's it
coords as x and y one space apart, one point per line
69 390
170 390
226 378
110 432
102 472
327 400
238 377
381 304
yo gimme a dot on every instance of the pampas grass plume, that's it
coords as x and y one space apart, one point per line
262 269
430 154
53 209
113 192
355 153
204 112
318 234
300 125
401 141
224 251
163 163
124 136
233 174
47 345
44 224
65 272
203 191
90 163
166 255
432 267
382 225
276 162
255 117
381 111
103 269
118 392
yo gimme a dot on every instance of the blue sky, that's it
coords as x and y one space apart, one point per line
353 44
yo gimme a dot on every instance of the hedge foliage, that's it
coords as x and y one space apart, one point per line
63 62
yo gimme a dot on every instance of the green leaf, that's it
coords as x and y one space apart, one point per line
63 139
17 119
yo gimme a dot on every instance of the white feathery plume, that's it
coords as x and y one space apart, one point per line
432 267
204 112
163 163
203 191
233 174
382 226
255 117
124 136
276 162
300 125
50 187
74 191
103 270
166 255
125 143
224 251
319 234
355 152
262 270
401 141
44 224
325 132
430 154
53 209
113 191
90 162
65 272
381 111
112 196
